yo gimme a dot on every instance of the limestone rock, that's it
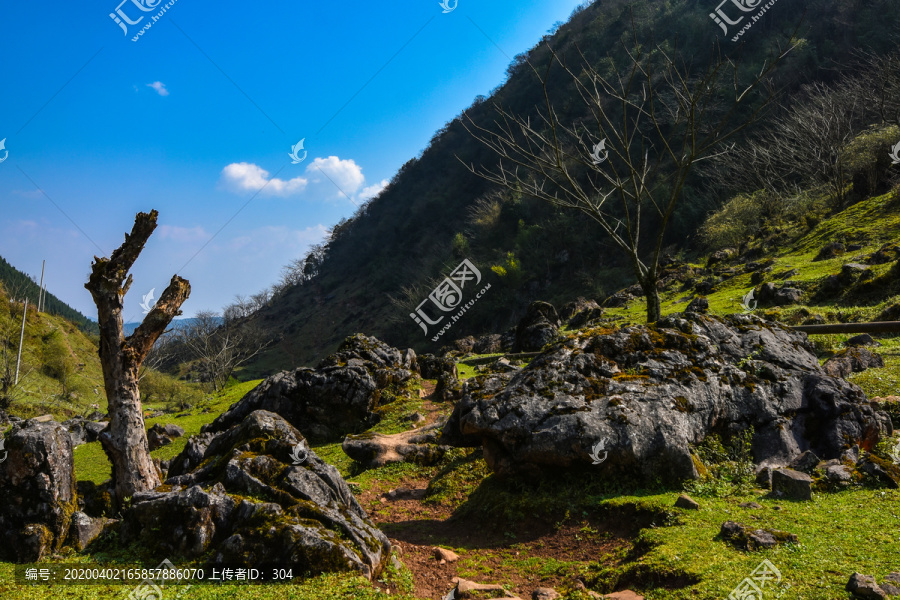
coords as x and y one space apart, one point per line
537 328
790 484
852 360
864 586
338 397
311 519
85 529
37 490
376 449
698 305
648 390
770 295
687 502
447 555
752 539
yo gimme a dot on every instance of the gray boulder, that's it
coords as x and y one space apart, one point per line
698 305
792 485
537 328
85 529
310 519
338 397
770 295
852 360
376 450
864 586
37 490
652 391
162 435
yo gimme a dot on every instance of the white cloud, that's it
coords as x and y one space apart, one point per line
160 88
243 177
346 175
373 190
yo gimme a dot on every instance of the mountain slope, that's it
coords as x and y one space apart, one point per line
22 286
434 213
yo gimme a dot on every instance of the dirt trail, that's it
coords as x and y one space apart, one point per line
489 552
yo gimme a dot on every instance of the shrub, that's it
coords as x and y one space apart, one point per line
867 160
736 222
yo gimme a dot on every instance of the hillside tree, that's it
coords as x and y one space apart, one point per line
653 117
125 440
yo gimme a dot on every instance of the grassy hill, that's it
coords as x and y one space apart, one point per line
435 212
22 286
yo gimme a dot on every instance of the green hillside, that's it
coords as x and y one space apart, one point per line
23 286
382 262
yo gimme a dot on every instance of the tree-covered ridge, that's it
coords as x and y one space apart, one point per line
396 248
21 286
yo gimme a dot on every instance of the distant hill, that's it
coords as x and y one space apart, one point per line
434 212
22 286
174 325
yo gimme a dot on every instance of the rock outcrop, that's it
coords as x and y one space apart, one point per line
376 450
537 328
246 501
651 392
852 360
338 397
37 490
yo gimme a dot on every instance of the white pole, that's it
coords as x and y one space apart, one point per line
21 338
43 295
41 286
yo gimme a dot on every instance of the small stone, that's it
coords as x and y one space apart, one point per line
624 595
792 485
750 505
698 305
863 339
443 554
890 589
838 473
761 539
864 586
687 502
544 593
806 462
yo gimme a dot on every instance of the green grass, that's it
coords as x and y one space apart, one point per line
839 533
91 463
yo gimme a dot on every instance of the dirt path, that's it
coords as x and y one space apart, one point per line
526 554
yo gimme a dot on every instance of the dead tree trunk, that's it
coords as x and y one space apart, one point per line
125 441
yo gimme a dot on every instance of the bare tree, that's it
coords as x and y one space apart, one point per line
221 346
650 124
805 145
125 441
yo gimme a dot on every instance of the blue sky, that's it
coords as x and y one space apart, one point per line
194 117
